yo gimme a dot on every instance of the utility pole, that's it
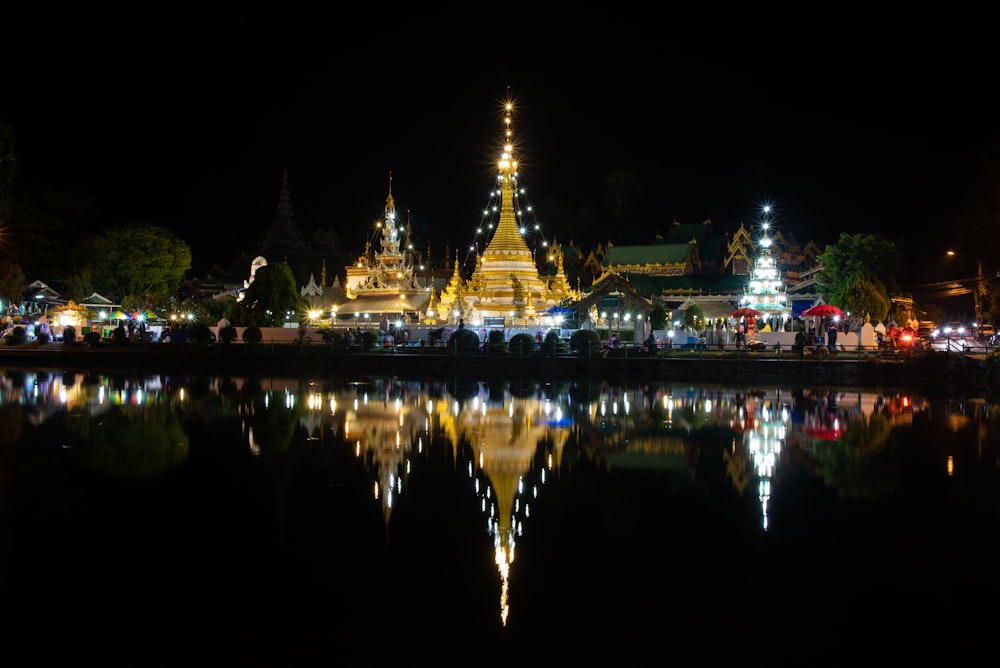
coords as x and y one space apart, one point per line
980 291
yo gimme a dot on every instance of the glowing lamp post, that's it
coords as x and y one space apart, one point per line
980 286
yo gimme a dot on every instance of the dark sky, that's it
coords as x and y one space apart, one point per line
845 121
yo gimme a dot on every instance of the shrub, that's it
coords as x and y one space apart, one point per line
227 334
464 341
552 343
199 332
69 334
42 338
93 339
522 344
369 340
495 343
252 335
585 342
18 336
335 339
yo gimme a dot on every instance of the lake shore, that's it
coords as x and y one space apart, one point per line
708 365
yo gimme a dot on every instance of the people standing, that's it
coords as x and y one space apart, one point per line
831 337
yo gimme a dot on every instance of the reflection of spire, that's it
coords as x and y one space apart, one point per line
505 435
381 430
764 442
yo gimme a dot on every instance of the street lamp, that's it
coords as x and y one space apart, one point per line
980 286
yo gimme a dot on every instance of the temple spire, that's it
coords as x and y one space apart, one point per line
507 238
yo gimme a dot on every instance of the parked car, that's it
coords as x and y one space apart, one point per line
987 332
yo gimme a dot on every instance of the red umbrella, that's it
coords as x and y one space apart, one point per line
823 310
824 433
745 313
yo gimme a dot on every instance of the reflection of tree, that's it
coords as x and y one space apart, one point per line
11 425
273 420
859 466
130 442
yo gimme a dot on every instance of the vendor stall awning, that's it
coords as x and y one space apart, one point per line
385 304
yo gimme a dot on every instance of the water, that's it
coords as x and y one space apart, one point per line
153 518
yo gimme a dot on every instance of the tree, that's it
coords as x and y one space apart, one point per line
873 258
694 317
12 283
8 173
135 260
861 294
621 195
658 316
271 295
79 286
43 226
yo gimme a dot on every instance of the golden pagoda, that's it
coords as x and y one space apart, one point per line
505 283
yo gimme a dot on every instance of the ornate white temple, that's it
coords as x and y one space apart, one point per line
383 282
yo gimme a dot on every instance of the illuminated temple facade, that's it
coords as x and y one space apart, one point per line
504 289
384 281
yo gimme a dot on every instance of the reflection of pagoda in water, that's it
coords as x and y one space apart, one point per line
383 429
504 435
766 421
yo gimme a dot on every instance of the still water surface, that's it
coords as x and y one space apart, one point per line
283 520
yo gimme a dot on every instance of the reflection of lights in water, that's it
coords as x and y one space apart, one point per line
504 435
764 442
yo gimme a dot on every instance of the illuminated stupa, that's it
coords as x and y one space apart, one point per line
505 282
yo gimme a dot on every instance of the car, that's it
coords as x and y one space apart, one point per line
986 332
953 330
927 330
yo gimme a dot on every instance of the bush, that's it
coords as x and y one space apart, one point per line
18 336
585 342
464 341
334 339
522 344
42 338
199 332
552 343
495 343
227 334
69 334
93 339
369 340
252 335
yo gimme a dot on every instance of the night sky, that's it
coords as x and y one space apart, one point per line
844 121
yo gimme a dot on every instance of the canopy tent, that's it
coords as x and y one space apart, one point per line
384 304
823 311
